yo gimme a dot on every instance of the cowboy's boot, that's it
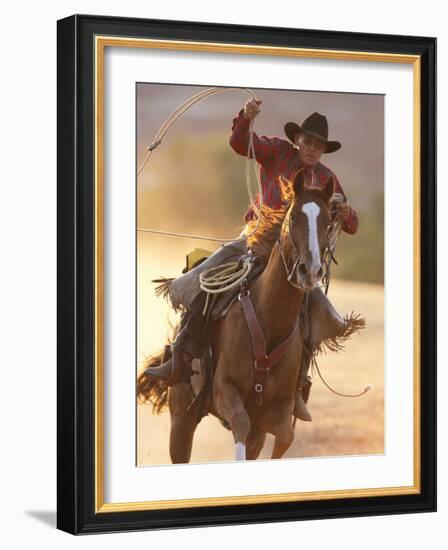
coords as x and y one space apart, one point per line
175 370
303 390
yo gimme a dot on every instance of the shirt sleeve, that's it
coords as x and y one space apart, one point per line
350 224
265 148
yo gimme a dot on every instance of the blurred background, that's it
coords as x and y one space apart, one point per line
195 183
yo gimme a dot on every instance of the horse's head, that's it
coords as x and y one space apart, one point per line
308 220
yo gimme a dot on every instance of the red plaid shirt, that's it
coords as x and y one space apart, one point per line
279 157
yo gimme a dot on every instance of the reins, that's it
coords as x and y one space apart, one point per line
367 388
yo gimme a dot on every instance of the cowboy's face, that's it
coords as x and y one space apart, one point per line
310 149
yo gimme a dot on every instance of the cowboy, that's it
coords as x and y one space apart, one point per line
277 157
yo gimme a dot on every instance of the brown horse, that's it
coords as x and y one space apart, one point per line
296 245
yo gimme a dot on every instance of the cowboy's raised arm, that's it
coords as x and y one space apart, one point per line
265 148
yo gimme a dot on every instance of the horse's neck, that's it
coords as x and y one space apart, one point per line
276 301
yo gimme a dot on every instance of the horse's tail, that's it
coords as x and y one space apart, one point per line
353 323
150 388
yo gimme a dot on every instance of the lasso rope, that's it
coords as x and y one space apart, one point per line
250 156
217 280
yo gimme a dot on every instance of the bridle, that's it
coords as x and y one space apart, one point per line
333 231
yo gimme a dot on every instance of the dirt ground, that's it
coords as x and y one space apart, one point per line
340 426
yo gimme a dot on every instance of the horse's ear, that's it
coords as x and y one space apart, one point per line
299 182
328 190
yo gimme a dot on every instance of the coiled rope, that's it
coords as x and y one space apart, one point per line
222 278
250 156
217 280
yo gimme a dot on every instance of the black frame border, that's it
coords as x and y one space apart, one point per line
76 262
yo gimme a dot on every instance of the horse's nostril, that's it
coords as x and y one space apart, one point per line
303 270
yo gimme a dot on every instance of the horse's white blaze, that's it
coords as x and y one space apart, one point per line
240 451
312 210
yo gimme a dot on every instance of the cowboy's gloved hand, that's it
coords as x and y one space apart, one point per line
251 109
343 209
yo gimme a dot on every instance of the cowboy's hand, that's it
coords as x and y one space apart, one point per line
343 209
252 108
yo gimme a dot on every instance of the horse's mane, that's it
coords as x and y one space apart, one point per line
263 240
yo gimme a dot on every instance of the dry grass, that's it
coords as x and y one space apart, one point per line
341 426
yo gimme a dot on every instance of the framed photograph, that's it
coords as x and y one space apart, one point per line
246 274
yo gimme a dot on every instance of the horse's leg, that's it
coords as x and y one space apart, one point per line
284 436
183 424
255 442
231 407
277 420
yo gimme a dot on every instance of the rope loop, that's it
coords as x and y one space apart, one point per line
250 159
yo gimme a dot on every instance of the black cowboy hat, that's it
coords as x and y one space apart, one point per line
315 125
